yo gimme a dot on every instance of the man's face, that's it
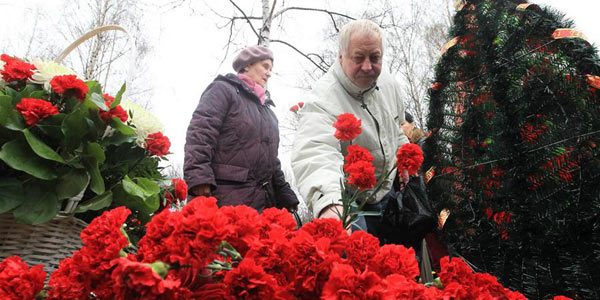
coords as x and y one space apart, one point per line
362 60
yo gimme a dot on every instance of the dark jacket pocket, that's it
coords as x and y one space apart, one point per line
230 173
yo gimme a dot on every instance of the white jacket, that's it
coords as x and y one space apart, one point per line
317 157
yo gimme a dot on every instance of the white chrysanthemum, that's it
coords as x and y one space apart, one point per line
145 123
47 69
2 63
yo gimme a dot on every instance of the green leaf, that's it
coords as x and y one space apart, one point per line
94 87
28 91
98 99
40 205
18 155
119 126
9 117
40 148
75 127
39 95
71 183
11 194
96 203
141 195
92 158
117 100
51 126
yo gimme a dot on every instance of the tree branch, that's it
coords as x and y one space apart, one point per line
247 20
301 53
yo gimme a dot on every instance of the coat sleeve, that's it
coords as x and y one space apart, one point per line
317 160
203 133
286 198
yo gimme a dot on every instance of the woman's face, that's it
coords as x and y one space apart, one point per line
407 127
260 71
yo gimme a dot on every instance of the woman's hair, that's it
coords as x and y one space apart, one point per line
360 27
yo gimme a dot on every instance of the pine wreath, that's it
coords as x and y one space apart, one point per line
515 128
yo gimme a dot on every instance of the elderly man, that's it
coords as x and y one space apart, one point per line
354 84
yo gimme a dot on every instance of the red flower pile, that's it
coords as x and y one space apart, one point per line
69 85
273 261
409 157
33 110
18 281
158 144
116 111
15 69
347 127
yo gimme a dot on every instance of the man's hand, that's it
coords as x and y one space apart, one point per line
201 190
331 211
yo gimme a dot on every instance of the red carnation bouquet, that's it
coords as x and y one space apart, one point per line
208 252
63 138
359 183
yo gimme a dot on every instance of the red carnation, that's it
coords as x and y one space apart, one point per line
409 157
347 127
344 283
158 144
395 259
357 153
300 104
330 229
134 280
69 84
15 69
361 174
361 247
18 281
249 281
180 188
33 110
294 108
116 111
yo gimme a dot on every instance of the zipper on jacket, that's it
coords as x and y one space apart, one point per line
364 106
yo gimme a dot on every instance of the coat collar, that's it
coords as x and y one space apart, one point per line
351 88
239 85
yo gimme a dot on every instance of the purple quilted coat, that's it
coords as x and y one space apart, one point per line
232 143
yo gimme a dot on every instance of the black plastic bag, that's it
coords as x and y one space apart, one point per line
408 215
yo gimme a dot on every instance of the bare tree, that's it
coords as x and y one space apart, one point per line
105 56
414 40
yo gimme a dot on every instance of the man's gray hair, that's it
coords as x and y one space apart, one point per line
362 27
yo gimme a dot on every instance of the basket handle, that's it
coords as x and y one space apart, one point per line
95 32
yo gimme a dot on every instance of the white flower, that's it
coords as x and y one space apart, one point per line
2 63
144 122
47 69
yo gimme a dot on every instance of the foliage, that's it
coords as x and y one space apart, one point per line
61 138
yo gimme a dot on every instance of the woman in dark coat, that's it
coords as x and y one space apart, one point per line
233 139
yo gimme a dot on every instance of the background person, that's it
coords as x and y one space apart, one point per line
354 84
233 138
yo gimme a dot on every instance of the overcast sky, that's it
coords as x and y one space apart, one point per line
188 50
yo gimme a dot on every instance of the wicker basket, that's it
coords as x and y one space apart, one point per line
50 242
46 243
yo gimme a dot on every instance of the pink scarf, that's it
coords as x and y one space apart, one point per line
253 86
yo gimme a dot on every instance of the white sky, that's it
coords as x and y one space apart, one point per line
188 49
